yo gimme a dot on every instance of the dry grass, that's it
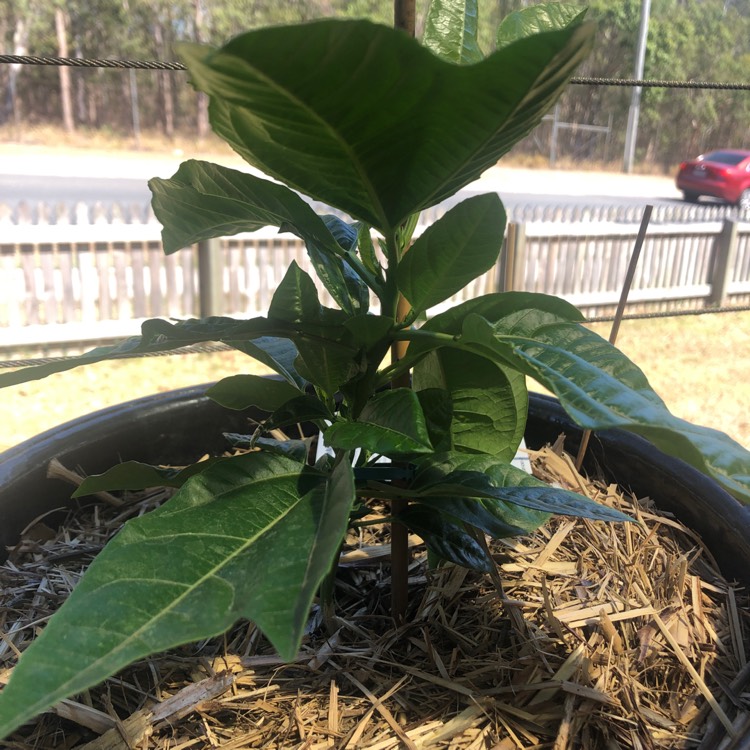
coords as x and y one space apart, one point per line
619 636
698 364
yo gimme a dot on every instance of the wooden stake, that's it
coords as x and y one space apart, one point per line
620 310
404 15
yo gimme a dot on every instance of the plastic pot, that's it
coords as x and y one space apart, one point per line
180 426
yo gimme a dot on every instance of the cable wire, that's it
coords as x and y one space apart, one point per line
83 62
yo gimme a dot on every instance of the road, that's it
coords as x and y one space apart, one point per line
56 190
35 175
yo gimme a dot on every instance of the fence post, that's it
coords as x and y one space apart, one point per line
725 251
510 267
210 278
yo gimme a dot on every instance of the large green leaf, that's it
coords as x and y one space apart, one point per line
391 423
537 19
250 537
204 200
489 402
450 31
601 388
245 390
456 249
364 118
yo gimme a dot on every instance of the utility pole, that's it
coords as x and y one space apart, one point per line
631 134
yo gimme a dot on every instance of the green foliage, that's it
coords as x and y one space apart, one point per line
370 122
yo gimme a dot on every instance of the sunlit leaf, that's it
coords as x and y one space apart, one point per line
450 30
302 118
180 573
456 249
537 19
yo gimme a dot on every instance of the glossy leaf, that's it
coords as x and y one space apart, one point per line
446 538
449 476
601 388
134 475
538 19
450 31
180 573
391 423
456 249
490 402
204 200
243 391
348 101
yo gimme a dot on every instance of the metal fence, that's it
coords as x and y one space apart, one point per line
75 283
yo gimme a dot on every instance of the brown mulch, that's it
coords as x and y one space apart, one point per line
593 635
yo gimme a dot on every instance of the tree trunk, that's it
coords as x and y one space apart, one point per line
66 94
200 36
165 85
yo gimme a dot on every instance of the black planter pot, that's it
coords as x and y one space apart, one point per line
182 425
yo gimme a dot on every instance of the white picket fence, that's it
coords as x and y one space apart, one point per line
74 283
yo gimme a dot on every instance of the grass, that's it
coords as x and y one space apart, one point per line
698 364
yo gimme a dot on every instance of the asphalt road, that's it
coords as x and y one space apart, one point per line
55 190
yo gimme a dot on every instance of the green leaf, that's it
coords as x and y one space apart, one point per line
391 423
296 298
243 391
601 388
335 270
365 119
157 336
437 407
538 19
277 353
490 402
513 312
134 475
301 409
445 538
459 247
204 200
252 536
491 514
445 477
450 31
367 249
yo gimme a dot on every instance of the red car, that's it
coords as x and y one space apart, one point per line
722 174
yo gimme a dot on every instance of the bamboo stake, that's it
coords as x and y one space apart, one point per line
620 310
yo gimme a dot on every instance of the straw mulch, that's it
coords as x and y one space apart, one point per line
591 636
